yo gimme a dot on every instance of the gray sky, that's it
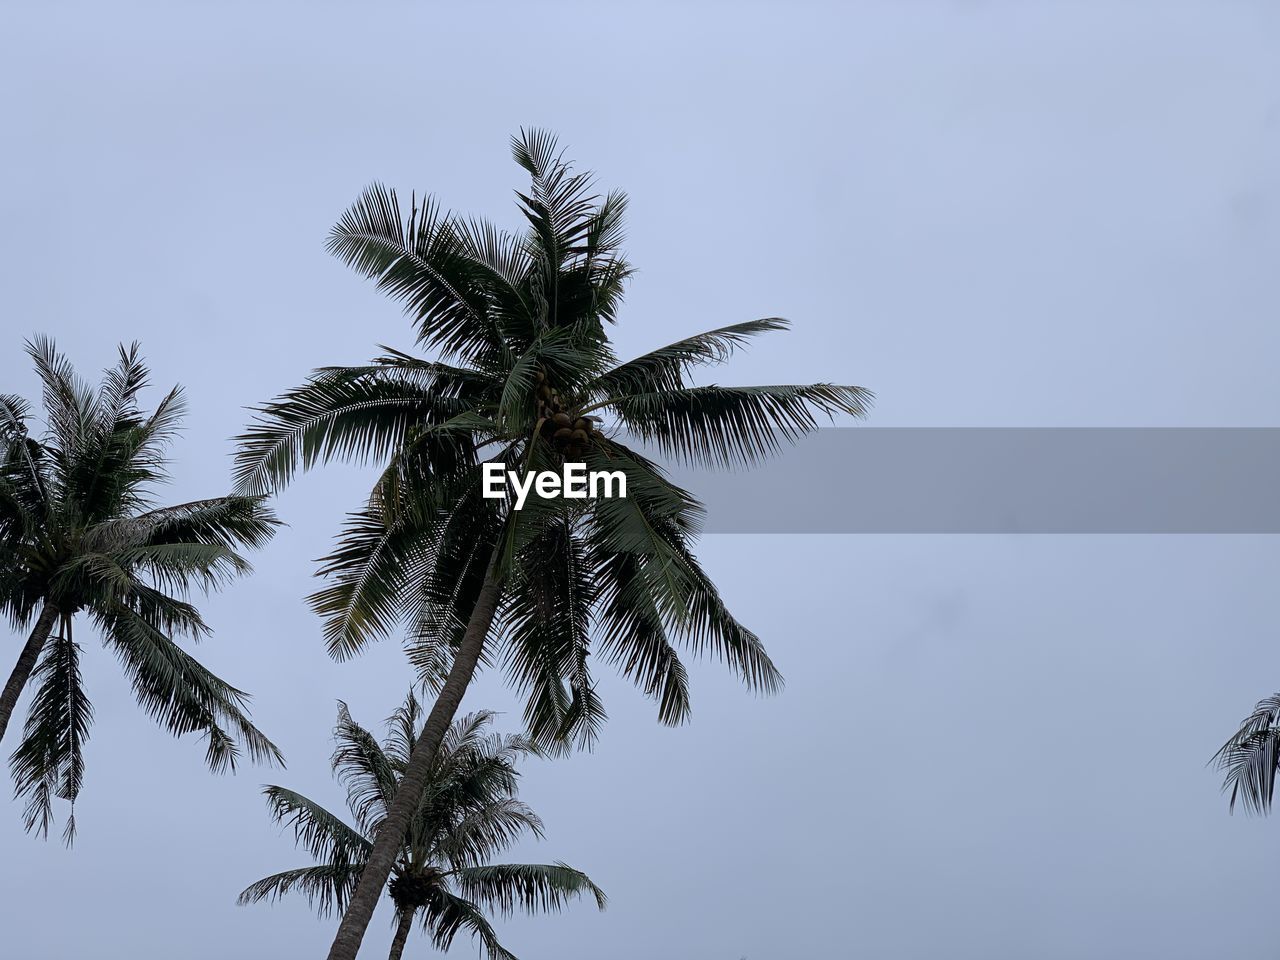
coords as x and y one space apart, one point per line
992 214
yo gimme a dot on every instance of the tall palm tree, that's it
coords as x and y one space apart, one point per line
523 375
80 535
468 814
1250 759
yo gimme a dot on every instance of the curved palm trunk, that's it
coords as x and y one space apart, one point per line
403 926
391 832
26 663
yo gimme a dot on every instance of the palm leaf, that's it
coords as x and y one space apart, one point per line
364 769
361 414
372 568
327 887
447 915
49 761
419 260
1249 760
322 834
666 367
547 638
734 426
487 830
532 887
180 693
68 401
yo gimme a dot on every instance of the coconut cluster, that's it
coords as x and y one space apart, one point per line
569 434
413 890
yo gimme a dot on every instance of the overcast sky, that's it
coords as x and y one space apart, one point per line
992 214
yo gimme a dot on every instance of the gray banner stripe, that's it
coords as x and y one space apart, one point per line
1004 480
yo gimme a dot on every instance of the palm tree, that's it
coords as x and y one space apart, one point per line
442 875
1250 759
81 535
522 375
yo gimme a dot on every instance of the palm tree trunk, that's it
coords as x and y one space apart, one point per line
26 663
403 926
391 832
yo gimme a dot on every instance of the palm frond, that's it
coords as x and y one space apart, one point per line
734 426
392 545
447 915
532 887
419 260
371 570
666 367
502 263
180 567
402 731
181 694
14 414
546 634
358 414
327 886
322 834
711 627
446 590
653 592
232 523
117 396
49 760
559 205
1250 759
634 635
19 448
486 830
364 769
68 401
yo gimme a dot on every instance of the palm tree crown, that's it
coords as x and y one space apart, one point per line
468 814
80 533
525 376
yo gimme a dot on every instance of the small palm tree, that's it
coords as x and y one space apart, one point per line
1251 758
80 535
525 377
443 876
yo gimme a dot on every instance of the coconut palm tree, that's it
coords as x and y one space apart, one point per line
468 814
1250 759
520 372
80 536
